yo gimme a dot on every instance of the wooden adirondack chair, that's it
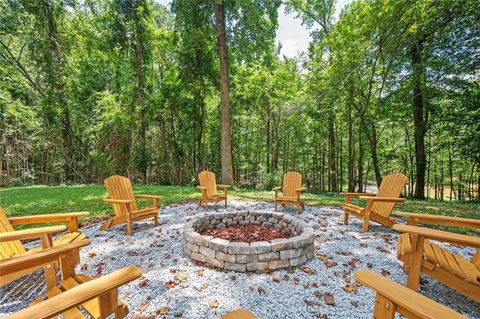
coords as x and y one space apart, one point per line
239 314
420 255
392 298
208 186
379 206
123 200
11 245
291 191
98 297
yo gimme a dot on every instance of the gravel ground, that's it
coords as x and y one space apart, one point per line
203 293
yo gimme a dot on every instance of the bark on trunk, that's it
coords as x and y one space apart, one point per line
420 120
332 180
139 53
226 134
60 90
351 183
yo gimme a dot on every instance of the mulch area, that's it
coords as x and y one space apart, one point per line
248 234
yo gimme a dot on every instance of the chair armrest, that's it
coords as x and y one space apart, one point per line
79 294
414 218
41 257
277 189
202 188
30 233
149 197
357 194
405 298
383 199
117 201
440 235
70 218
224 185
302 189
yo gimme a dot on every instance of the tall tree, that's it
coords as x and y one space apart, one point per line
226 133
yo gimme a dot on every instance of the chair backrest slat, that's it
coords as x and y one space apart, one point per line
207 179
11 248
119 187
291 182
392 186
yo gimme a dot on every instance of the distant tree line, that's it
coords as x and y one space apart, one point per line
94 88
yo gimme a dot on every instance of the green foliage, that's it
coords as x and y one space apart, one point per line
138 83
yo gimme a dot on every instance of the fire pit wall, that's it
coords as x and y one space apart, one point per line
241 256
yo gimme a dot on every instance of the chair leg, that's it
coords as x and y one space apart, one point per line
206 206
225 202
415 266
129 228
155 220
345 218
366 219
275 206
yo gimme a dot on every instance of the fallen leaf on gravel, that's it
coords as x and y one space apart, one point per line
199 272
261 291
91 254
385 272
311 303
291 270
143 306
317 293
162 311
143 282
233 278
315 285
328 298
286 277
320 315
84 267
182 276
213 304
307 270
140 316
296 280
151 265
132 253
350 288
173 270
330 264
170 284
354 304
382 249
275 279
178 314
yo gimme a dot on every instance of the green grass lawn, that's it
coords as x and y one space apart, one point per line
30 200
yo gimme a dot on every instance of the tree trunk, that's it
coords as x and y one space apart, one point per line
372 139
420 119
139 53
226 134
332 180
60 90
351 183
360 157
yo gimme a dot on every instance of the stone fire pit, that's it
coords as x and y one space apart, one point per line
241 256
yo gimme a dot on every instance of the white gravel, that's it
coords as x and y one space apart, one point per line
158 251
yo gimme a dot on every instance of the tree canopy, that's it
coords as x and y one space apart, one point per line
93 88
